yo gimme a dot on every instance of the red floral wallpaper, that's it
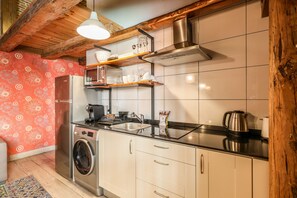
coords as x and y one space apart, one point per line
27 93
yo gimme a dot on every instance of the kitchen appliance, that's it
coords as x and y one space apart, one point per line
171 133
86 159
236 121
123 115
102 75
3 161
71 98
236 144
96 112
182 51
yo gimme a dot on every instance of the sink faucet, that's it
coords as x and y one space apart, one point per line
140 119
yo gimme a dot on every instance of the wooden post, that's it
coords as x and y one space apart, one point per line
283 98
9 13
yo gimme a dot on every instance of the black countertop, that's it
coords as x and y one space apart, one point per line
204 136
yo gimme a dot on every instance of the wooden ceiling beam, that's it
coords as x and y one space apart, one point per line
76 45
38 15
215 8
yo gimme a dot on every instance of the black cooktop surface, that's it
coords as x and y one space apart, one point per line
171 133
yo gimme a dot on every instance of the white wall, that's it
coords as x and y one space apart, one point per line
235 79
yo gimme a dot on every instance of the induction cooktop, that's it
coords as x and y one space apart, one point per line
171 133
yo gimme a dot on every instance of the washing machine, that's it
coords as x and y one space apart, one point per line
86 159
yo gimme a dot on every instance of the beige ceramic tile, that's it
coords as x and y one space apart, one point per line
228 53
182 110
182 69
114 93
223 84
126 45
104 102
258 82
114 106
158 39
127 93
159 70
105 94
168 36
183 86
257 49
128 105
223 24
159 90
144 107
112 47
255 22
143 68
212 111
159 106
257 109
144 93
130 70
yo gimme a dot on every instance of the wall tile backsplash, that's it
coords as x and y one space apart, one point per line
235 79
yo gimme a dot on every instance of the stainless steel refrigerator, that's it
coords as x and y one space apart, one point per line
71 99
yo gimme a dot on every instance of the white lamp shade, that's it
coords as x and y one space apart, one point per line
92 28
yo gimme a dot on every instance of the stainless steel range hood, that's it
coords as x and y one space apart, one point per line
182 51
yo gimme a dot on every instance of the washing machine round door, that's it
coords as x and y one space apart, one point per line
83 157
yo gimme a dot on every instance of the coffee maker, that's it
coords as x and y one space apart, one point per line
96 112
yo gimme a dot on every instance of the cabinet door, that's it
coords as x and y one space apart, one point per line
117 163
260 179
229 176
202 173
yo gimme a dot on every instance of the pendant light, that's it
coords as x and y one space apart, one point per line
92 28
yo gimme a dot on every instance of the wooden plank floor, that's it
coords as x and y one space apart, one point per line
42 167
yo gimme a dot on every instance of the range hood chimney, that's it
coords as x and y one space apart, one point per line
182 51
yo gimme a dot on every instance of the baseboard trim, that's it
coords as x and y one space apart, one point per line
32 152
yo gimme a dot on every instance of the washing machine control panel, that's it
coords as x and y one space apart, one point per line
86 133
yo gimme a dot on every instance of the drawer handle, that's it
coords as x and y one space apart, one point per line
201 164
161 147
161 195
165 164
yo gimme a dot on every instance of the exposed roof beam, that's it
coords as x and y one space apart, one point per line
39 14
79 40
72 48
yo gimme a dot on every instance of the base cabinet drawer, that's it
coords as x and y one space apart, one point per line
168 150
146 190
173 176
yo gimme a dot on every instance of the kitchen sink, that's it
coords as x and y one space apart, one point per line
130 126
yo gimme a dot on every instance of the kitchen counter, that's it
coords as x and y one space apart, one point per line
203 136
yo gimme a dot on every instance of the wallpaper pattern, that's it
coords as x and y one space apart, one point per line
27 93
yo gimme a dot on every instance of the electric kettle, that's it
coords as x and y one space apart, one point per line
236 121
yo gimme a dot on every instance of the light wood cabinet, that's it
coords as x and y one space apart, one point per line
166 166
223 175
117 163
146 190
202 173
131 166
168 150
260 179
